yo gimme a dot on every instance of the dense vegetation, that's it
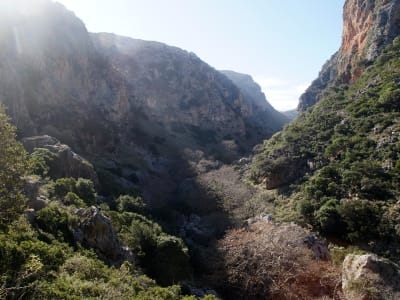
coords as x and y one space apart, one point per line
39 255
339 162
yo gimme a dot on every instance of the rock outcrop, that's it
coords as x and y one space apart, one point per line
327 74
368 27
94 230
66 163
370 277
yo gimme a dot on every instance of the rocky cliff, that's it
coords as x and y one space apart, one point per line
263 115
132 107
368 27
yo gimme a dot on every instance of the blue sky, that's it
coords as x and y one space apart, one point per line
281 43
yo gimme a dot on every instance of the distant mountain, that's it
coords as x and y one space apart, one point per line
265 116
291 114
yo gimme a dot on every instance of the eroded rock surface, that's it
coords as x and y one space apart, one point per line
94 230
368 27
370 277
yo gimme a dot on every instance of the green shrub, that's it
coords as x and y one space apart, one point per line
130 204
361 218
41 160
56 221
73 199
63 186
84 188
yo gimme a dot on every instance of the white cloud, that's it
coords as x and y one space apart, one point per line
283 95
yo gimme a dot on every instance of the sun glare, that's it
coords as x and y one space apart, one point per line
21 6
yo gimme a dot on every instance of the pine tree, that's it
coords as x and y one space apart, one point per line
13 166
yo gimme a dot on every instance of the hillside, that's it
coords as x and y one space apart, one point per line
132 169
338 163
138 110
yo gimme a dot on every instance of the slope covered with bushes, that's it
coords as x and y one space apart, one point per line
339 162
41 256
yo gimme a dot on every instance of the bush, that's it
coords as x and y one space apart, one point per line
73 199
83 188
41 160
327 218
164 257
169 260
56 221
130 204
361 218
63 186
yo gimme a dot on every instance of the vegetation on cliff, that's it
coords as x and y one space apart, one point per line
346 152
40 256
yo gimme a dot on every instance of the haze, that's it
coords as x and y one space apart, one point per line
282 44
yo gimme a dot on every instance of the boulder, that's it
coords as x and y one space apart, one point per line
319 249
370 277
94 230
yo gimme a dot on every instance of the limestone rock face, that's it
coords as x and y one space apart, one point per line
94 230
370 277
136 103
262 115
66 163
175 87
326 75
368 27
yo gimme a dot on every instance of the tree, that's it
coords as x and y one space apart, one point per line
13 166
130 203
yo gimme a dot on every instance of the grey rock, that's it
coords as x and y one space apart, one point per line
263 116
30 143
370 277
67 163
94 230
319 249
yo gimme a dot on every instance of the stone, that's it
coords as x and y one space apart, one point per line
370 277
94 230
43 141
319 249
